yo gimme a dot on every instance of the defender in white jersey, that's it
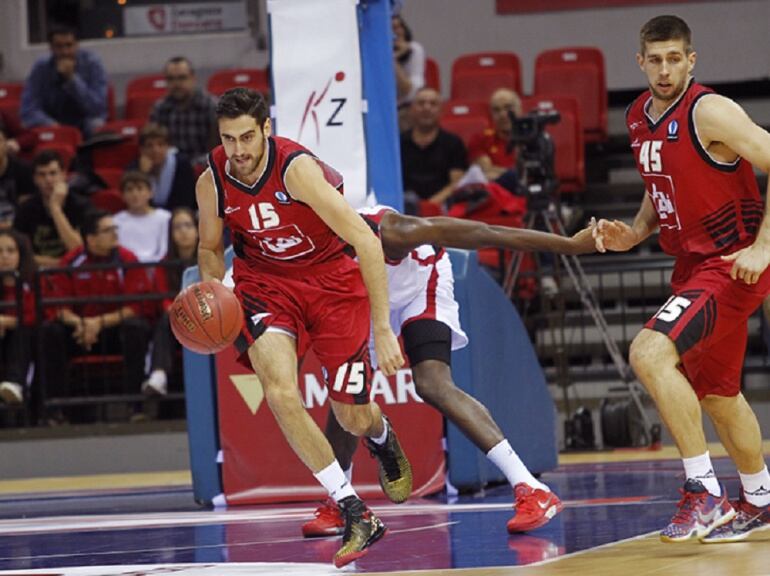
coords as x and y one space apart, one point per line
424 311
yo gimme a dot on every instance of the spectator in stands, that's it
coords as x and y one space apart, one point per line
142 228
67 87
18 140
96 326
432 160
16 344
171 173
489 149
182 253
15 182
187 112
409 64
52 216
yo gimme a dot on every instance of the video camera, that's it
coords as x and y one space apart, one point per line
535 156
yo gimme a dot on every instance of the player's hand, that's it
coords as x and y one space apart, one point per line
748 263
583 241
613 235
389 358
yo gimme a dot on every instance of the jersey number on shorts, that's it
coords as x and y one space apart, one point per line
649 156
673 309
354 378
263 215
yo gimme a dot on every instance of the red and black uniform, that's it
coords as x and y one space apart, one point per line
292 273
129 338
706 209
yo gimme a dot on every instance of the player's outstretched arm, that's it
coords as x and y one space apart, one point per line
305 182
400 234
211 248
725 127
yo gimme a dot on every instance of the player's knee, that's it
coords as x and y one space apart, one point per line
281 397
649 350
433 381
354 419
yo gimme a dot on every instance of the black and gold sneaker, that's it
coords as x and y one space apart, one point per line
362 529
395 471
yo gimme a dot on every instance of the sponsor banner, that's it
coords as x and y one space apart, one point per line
259 465
191 18
317 84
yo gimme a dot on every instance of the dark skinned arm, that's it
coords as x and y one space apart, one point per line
400 234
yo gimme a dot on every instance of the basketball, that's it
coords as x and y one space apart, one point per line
206 317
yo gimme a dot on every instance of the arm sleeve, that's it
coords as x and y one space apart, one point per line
89 86
31 110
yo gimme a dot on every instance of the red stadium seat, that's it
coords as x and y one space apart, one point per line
254 78
578 72
506 62
108 199
481 84
148 84
119 154
139 105
466 118
567 137
432 74
61 134
11 91
110 176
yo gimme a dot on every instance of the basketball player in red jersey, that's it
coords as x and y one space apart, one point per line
298 286
424 311
695 151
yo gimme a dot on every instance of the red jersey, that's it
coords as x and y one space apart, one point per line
106 282
27 303
488 143
271 231
704 207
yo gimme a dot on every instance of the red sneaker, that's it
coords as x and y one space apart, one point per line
534 508
327 522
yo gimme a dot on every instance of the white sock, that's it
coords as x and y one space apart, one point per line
349 473
756 488
333 479
700 468
380 440
505 458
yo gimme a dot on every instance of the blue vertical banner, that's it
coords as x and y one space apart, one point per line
381 118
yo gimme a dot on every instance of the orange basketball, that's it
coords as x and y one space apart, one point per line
206 317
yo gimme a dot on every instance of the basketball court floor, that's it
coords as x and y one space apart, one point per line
148 524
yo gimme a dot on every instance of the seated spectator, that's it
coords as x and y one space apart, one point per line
15 182
67 87
95 326
52 216
172 175
141 228
18 140
409 66
489 149
16 343
182 253
432 159
187 112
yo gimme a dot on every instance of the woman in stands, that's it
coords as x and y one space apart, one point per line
17 267
182 252
409 64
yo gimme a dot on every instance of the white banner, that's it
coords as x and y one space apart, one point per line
191 18
316 69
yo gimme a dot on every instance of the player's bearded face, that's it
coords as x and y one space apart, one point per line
667 66
244 142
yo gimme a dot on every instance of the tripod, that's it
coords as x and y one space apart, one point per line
553 224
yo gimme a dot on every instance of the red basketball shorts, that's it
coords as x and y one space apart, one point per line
707 318
325 307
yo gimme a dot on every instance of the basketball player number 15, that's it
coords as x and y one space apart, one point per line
265 218
649 155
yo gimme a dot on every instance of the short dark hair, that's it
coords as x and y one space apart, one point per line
134 177
663 28
151 131
59 29
45 157
243 101
91 219
180 60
